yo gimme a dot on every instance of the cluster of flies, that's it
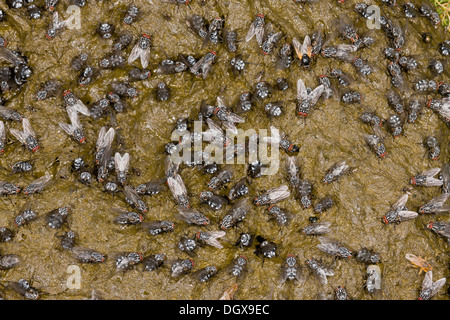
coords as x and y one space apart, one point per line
217 117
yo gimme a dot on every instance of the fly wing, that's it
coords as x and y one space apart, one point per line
400 202
441 199
230 126
145 57
306 46
446 177
427 282
213 242
206 68
291 166
196 67
433 182
322 227
259 34
2 131
80 107
56 24
107 138
135 53
251 32
73 116
302 94
122 163
217 234
131 194
171 168
176 185
68 128
297 47
413 259
436 286
431 172
19 135
316 94
407 215
9 56
279 193
27 128
42 181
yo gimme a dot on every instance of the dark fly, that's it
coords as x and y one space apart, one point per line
206 273
51 88
284 58
237 65
238 267
265 248
436 205
218 181
157 227
214 33
269 42
340 293
188 245
38 185
103 144
427 178
68 240
272 196
395 102
336 171
7 188
24 288
204 65
127 217
141 50
367 256
25 216
230 37
134 199
74 129
126 260
429 287
150 188
245 240
178 189
21 167
305 100
431 14
6 234
169 66
256 29
57 217
236 214
376 144
434 149
122 164
274 109
27 137
216 202
153 262
324 204
87 255
343 79
291 270
132 14
240 189
398 212
334 248
192 216
441 228
319 270
162 92
197 24
281 216
10 114
414 110
181 267
317 228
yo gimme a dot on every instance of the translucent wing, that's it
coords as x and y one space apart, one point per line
9 56
2 130
400 203
250 32
316 93
145 57
122 163
436 286
302 93
279 193
27 128
431 172
297 47
80 107
135 53
407 215
306 46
